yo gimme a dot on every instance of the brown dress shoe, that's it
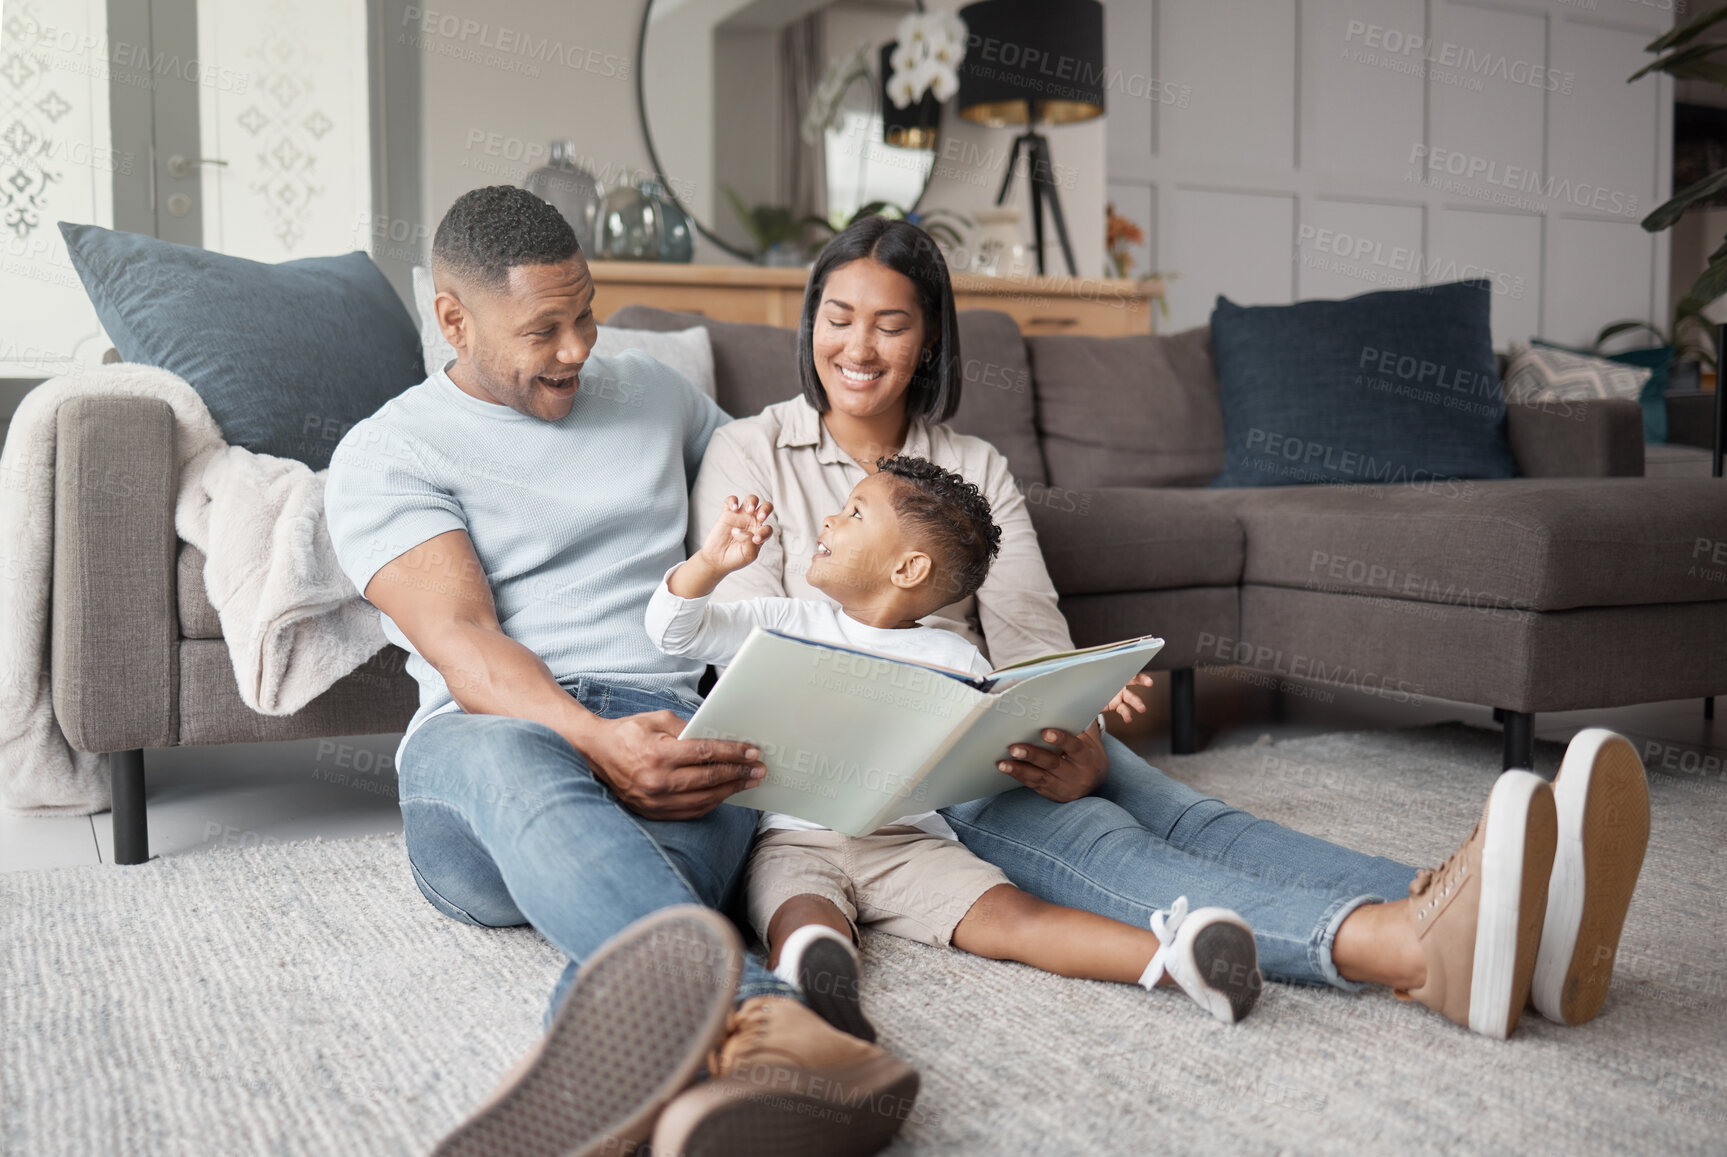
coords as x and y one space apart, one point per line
1478 915
629 1035
786 1082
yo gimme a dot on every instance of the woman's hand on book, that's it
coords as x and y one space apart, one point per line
1127 700
1072 771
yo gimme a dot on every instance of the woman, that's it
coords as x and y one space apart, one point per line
1094 826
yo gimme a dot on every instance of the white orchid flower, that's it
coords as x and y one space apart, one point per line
904 58
953 29
923 76
945 83
912 29
902 89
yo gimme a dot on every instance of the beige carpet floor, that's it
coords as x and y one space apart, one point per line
303 999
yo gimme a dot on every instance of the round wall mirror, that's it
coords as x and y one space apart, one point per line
765 119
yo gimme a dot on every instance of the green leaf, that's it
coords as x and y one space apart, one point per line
1675 59
1687 32
943 232
1711 285
744 215
1674 209
1692 332
1711 71
875 208
1611 331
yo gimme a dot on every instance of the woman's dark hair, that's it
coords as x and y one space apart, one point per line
933 394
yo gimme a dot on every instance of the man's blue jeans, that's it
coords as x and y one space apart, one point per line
1143 839
505 824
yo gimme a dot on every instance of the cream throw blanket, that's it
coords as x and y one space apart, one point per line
292 620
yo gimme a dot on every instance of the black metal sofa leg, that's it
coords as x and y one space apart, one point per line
131 826
1519 739
1183 728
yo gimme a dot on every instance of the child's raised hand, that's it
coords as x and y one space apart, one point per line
737 535
1127 701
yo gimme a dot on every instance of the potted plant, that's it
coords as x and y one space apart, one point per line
1681 55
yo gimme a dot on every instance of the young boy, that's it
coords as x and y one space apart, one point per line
912 539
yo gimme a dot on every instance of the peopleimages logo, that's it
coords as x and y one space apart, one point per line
1517 179
1063 77
1449 61
1368 256
1425 372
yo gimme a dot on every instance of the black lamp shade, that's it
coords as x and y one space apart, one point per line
914 126
1028 61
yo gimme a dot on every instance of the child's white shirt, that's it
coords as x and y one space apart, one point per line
712 633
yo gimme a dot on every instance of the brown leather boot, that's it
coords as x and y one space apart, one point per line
1478 915
785 1082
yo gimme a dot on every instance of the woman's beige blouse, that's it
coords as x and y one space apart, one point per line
785 454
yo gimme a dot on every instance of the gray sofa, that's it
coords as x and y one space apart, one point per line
1581 585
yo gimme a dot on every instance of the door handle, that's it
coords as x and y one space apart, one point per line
181 167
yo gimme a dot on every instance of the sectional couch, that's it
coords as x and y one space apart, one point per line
1580 585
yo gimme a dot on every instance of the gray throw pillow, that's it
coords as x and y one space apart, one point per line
286 357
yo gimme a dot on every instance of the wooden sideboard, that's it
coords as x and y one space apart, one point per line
1097 306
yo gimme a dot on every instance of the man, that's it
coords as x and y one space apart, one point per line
510 517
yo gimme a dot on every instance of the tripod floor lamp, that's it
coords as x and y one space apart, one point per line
1033 63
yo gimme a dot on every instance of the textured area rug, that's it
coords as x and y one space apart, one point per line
304 999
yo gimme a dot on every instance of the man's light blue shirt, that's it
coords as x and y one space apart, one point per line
574 522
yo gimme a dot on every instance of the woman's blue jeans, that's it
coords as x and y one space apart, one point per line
505 824
1143 839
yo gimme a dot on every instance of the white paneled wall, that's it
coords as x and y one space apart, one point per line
1292 149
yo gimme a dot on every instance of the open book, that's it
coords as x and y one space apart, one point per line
854 740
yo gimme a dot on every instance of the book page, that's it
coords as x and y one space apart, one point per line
1066 697
1007 676
842 732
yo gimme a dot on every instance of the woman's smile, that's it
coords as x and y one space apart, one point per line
859 374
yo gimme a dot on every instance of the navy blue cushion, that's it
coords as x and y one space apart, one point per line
286 357
1658 360
1397 386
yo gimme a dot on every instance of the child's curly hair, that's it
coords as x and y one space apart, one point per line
952 515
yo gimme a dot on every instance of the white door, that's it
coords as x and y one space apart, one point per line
58 161
292 124
238 125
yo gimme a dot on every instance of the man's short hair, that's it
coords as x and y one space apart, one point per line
489 231
951 516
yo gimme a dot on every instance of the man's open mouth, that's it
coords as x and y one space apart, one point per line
822 550
563 383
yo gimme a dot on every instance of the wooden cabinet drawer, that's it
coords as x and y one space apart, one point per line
1100 307
1103 316
719 303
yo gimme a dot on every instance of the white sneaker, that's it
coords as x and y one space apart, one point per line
1603 803
1210 954
822 964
